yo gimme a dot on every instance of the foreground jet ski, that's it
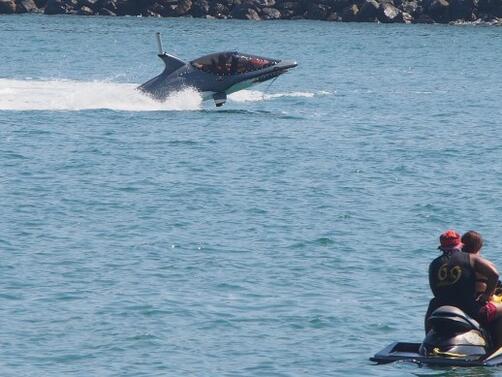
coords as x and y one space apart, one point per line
455 340
214 76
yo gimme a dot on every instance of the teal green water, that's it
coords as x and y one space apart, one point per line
286 234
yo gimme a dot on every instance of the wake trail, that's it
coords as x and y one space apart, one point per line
256 95
68 95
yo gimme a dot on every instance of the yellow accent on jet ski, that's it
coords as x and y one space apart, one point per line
497 299
437 352
495 354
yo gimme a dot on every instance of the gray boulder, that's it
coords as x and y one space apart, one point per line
55 7
200 8
423 19
339 5
411 7
127 8
244 12
463 9
492 8
483 17
349 14
265 3
439 10
317 11
388 13
183 7
407 18
151 10
290 8
219 10
7 6
149 13
106 12
333 17
109 5
287 14
288 5
169 10
368 11
270 14
85 11
92 4
26 6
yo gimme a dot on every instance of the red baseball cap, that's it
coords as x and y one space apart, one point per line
450 240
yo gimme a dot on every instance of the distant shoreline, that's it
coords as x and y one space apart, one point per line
487 12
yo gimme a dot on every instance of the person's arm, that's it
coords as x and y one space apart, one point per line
488 269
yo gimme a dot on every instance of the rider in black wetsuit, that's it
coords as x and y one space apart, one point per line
452 278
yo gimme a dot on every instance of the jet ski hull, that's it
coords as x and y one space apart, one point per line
400 351
454 339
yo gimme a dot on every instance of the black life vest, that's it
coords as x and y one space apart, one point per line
453 281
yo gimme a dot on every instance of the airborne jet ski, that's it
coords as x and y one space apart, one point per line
214 76
455 339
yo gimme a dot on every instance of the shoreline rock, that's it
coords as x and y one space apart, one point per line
456 12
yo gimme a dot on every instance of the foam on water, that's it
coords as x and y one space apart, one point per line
66 95
256 95
69 95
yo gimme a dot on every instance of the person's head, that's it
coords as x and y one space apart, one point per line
450 241
473 242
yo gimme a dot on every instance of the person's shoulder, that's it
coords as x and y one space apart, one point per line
481 259
437 260
477 260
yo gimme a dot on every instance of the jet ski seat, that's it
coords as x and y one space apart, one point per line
448 319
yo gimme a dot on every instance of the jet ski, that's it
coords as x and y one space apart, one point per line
214 76
455 339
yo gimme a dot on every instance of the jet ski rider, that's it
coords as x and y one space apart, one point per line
452 279
472 244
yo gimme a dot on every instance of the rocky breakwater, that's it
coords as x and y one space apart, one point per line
385 11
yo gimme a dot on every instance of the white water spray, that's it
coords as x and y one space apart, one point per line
66 95
256 95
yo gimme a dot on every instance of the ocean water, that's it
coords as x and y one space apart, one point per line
285 234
